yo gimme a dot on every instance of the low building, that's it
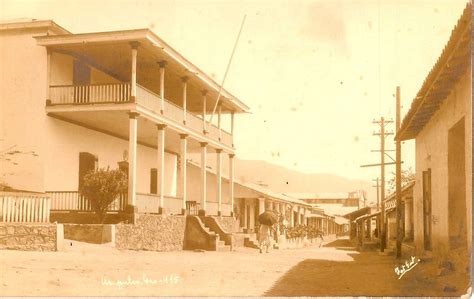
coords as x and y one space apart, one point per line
440 121
406 216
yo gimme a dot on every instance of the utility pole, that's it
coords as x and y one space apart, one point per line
398 176
378 194
382 135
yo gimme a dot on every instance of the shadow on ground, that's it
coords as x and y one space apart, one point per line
369 274
341 244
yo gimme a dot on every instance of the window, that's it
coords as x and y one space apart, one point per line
153 181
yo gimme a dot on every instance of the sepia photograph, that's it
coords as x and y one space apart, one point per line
236 148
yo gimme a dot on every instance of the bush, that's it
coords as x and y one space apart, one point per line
101 187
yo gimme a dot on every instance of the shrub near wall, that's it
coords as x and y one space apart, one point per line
28 236
152 232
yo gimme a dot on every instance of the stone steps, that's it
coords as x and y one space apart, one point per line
221 248
251 242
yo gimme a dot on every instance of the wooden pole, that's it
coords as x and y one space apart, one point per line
382 187
398 178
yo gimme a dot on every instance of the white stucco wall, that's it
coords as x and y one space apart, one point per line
432 152
23 95
66 141
194 190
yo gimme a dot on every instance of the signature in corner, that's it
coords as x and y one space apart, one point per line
409 265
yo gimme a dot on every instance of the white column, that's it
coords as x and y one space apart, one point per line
182 178
203 175
219 181
48 76
232 126
261 205
204 107
219 115
292 216
133 80
245 224
185 85
161 166
231 182
162 64
232 123
299 215
132 158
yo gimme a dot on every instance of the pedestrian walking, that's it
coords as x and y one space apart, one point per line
319 235
264 237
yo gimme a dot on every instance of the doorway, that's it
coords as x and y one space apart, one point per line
457 223
427 209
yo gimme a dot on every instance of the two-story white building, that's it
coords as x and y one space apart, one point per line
122 99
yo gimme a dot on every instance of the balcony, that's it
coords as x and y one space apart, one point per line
120 93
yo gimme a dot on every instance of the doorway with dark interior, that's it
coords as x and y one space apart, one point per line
457 186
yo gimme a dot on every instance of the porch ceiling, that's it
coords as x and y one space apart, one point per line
116 124
111 53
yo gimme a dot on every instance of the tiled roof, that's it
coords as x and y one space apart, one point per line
451 64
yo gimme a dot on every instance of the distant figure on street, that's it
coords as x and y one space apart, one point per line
320 236
264 237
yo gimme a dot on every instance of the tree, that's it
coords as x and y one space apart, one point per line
101 187
408 176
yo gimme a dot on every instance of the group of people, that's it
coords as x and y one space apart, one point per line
265 233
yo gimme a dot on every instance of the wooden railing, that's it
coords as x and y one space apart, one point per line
390 203
85 94
24 207
192 207
121 93
74 201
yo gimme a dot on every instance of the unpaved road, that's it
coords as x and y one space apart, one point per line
100 270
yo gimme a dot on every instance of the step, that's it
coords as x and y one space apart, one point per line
223 248
251 243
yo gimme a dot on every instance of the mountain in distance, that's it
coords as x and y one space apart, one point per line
284 180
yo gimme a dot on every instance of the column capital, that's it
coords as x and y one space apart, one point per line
218 150
231 156
183 136
134 45
162 63
203 144
184 79
133 115
161 126
204 92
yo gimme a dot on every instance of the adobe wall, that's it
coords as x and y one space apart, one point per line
432 152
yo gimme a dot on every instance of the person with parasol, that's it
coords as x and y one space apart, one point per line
267 219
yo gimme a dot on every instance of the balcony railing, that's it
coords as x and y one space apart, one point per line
87 94
74 201
146 203
121 93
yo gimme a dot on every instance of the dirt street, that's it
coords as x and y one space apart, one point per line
335 269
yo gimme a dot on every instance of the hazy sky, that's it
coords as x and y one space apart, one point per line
309 70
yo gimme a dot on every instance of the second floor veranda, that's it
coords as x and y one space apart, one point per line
88 71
